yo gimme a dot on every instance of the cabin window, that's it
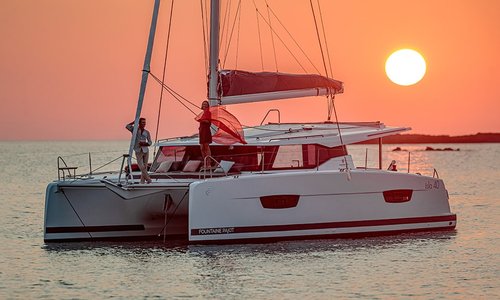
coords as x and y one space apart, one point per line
253 158
173 154
289 156
245 158
303 156
315 155
310 154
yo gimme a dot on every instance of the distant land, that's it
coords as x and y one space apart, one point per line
438 139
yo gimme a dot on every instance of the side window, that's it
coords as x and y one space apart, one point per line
310 153
171 153
289 156
315 155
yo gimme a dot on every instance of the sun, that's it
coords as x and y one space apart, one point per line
405 67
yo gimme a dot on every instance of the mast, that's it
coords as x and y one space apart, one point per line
145 74
214 53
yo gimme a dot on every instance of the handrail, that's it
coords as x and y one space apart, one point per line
409 156
90 165
301 137
64 171
205 164
272 109
366 159
59 158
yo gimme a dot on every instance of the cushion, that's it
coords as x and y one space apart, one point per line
164 166
224 166
192 166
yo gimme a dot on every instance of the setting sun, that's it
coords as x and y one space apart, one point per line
405 67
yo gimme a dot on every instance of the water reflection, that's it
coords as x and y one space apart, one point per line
268 249
286 265
135 247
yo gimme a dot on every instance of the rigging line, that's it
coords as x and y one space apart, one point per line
163 75
238 40
205 52
174 94
258 30
272 37
337 121
231 35
281 40
108 163
329 103
72 207
178 100
319 39
344 148
325 39
172 90
173 214
207 28
227 14
295 41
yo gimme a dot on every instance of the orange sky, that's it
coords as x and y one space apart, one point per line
71 69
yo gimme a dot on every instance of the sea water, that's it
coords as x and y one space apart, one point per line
461 264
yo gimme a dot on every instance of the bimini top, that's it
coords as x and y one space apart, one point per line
326 134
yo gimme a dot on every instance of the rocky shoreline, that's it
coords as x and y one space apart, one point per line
438 139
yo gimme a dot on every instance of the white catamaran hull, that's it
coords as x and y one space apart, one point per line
97 211
324 203
302 204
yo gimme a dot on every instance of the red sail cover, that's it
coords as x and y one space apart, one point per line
235 82
229 129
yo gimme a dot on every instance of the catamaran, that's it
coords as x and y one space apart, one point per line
275 181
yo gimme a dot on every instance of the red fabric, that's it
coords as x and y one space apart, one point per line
205 115
205 134
236 82
229 129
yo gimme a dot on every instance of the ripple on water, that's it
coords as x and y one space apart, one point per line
459 264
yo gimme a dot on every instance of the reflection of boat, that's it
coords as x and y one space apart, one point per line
287 181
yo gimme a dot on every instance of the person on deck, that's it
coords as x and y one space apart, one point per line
142 142
205 133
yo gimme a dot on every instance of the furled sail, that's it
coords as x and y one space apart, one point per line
241 86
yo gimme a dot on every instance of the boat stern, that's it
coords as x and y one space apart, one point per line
60 216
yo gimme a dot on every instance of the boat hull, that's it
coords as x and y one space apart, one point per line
316 205
249 207
95 211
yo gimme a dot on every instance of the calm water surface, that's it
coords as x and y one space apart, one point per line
464 264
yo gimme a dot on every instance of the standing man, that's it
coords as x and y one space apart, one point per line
142 142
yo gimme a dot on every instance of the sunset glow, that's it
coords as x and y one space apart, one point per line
70 70
405 67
